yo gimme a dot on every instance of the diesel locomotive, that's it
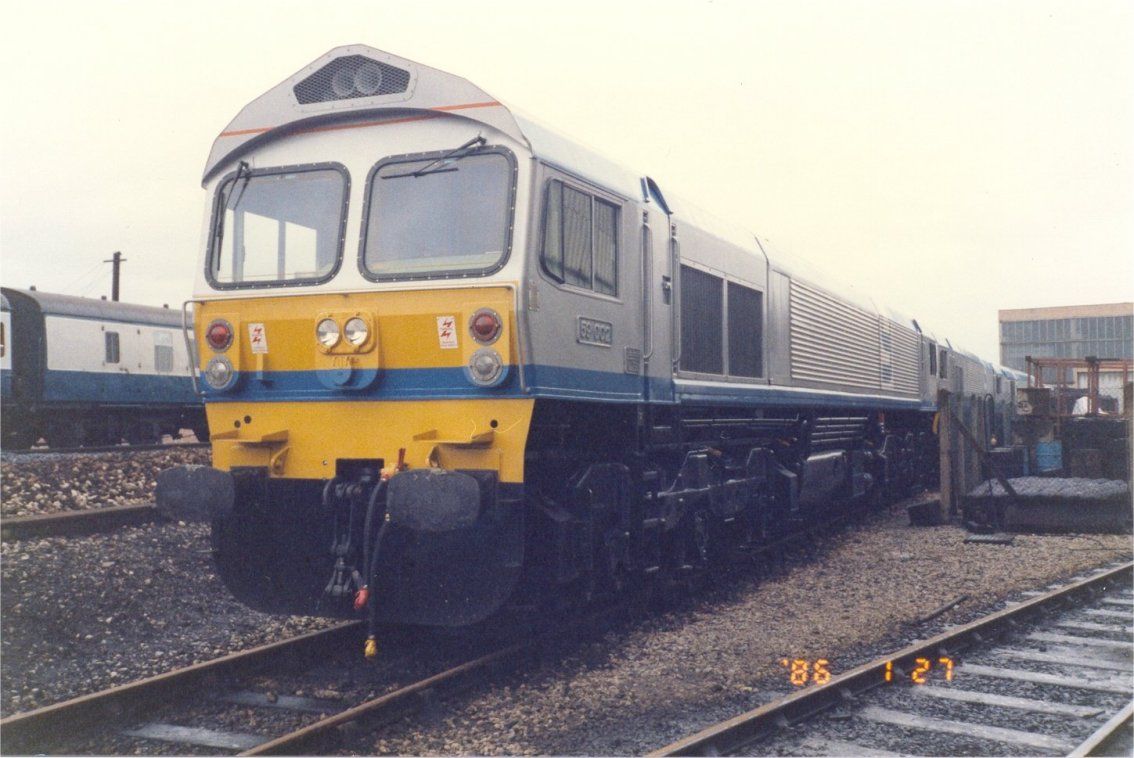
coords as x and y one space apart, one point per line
453 361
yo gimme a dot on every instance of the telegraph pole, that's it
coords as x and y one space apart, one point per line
117 260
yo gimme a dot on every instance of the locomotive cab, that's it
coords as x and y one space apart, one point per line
355 319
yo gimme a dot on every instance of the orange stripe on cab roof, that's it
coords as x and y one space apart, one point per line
336 127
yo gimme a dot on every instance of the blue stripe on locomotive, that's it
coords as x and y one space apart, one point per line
83 387
545 382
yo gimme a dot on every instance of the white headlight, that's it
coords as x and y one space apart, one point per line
356 331
219 373
485 366
327 332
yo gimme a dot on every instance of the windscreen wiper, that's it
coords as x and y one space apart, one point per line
242 170
442 163
247 171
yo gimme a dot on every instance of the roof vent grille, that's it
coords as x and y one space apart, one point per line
350 77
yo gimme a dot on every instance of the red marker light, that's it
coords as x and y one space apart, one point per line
485 326
219 335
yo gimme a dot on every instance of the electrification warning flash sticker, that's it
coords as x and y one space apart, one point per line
447 332
258 338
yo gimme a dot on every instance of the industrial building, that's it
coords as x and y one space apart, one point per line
1073 331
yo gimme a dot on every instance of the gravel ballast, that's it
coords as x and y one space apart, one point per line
52 482
84 613
675 673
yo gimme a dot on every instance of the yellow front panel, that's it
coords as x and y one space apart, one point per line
302 440
284 418
407 329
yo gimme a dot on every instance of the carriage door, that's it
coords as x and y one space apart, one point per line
658 294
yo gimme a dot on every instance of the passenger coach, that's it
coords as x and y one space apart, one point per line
79 371
453 360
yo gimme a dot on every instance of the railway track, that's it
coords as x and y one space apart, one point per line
203 708
1048 676
184 710
75 523
105 448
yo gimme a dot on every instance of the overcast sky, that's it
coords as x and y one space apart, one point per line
949 158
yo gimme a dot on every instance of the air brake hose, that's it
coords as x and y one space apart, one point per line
371 648
375 497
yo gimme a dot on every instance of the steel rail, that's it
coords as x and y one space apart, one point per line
305 741
107 448
73 523
1101 739
731 735
32 731
300 741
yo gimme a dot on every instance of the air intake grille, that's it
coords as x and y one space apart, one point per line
350 77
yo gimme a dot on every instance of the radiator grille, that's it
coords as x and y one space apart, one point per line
837 343
974 376
906 359
832 341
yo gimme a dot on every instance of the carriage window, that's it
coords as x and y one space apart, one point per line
112 352
163 352
932 359
943 365
745 331
278 227
580 239
702 319
435 217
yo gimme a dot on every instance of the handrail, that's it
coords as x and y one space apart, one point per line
191 346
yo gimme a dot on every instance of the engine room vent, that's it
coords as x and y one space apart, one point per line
833 342
350 77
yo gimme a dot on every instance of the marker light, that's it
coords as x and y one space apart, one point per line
485 326
219 373
327 332
485 367
356 331
219 335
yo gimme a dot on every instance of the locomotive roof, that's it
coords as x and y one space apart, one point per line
318 95
4 305
86 307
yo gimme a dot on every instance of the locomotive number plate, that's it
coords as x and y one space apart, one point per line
593 332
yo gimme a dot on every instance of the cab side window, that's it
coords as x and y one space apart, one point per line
580 239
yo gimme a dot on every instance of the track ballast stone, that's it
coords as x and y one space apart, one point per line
49 482
675 673
84 613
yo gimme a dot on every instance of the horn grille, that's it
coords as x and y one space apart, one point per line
351 77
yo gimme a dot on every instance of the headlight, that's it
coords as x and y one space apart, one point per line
219 373
356 331
327 332
485 367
